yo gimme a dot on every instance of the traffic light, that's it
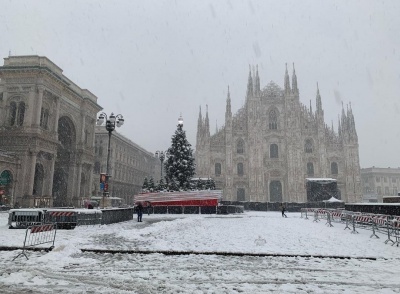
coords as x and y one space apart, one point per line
103 178
106 187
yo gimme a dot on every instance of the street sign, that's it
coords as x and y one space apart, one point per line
101 186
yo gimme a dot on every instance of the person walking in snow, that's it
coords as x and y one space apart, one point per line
283 210
139 211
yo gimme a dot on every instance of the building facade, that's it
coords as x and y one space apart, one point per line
129 165
48 123
379 182
273 143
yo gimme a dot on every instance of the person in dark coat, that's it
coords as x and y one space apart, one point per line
283 210
148 207
139 210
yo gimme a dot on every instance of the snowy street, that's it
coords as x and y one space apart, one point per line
67 269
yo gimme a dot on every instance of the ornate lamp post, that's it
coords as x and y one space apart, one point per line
161 155
111 122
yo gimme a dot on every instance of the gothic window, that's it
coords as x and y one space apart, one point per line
240 169
308 146
385 179
241 196
379 190
334 169
394 191
44 118
240 146
273 120
378 179
310 169
273 151
17 113
13 113
21 113
217 169
386 190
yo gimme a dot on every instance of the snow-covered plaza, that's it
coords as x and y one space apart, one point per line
372 268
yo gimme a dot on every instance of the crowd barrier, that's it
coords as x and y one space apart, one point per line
67 218
377 223
38 235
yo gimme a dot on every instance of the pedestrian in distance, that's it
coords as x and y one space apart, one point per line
283 210
139 211
148 207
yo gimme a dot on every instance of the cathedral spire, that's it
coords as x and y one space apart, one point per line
199 121
318 100
294 82
287 83
250 84
228 110
310 107
257 84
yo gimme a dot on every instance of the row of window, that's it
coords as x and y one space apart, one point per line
308 148
379 191
310 169
384 179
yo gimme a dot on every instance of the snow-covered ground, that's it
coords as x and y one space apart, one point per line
67 269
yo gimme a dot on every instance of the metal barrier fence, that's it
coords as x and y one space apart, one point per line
116 215
38 235
385 224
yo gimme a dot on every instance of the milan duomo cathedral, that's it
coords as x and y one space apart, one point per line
267 150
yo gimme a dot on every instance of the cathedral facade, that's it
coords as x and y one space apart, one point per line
267 150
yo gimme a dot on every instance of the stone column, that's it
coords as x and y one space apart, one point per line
3 109
31 175
36 118
77 197
57 114
51 178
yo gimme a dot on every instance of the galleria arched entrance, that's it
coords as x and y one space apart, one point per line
64 162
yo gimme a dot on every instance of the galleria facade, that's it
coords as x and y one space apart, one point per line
47 140
267 150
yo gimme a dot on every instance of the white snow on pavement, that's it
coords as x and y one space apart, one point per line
68 270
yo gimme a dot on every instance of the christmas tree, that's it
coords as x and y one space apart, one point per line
145 184
180 167
151 185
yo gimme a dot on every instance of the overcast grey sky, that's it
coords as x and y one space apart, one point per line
152 60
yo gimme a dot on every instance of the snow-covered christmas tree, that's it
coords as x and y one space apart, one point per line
179 166
145 184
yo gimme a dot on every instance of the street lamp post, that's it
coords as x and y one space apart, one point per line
111 122
161 156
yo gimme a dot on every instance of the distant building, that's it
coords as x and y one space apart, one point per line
273 143
379 182
129 165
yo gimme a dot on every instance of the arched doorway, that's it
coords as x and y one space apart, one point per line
67 138
275 191
6 181
38 180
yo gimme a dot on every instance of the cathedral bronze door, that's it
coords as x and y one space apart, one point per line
275 191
